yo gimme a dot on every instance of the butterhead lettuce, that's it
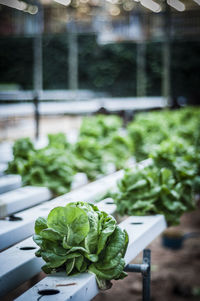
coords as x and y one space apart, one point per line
78 238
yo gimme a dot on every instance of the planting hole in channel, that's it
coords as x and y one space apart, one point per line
27 248
136 223
109 203
48 292
13 218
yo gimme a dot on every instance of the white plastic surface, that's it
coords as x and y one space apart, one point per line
15 262
5 151
3 167
19 265
83 107
134 103
12 232
83 286
80 179
9 182
107 205
22 198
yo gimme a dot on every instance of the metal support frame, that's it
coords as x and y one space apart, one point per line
145 270
166 55
141 69
38 64
36 115
73 59
141 76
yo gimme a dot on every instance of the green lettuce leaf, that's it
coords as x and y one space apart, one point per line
79 238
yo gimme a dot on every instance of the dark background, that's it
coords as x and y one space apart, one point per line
109 68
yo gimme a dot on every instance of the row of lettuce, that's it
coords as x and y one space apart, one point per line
79 237
167 186
100 147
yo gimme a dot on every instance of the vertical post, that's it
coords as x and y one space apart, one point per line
37 79
166 54
146 276
141 69
37 73
36 115
145 270
73 60
37 65
141 57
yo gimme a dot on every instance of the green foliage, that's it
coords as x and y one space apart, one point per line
118 149
79 238
58 140
22 150
154 191
171 139
100 126
100 142
183 160
51 166
150 129
89 157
